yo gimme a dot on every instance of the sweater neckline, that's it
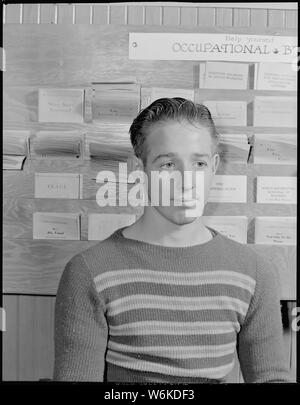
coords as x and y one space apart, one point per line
118 234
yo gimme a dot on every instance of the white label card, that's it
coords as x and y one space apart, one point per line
233 227
228 113
276 190
275 230
54 225
58 185
209 46
61 105
228 189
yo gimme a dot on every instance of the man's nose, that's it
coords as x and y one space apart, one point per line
188 178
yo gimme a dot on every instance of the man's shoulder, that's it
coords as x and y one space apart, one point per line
103 255
236 248
244 257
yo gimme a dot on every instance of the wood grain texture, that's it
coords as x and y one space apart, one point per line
276 18
135 15
241 17
18 214
22 185
47 13
35 266
46 59
153 15
12 13
100 14
188 16
21 103
32 266
224 17
65 14
10 351
259 18
28 344
291 19
82 13
171 16
30 13
118 14
206 17
27 326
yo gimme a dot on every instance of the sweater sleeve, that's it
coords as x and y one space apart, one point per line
260 341
80 334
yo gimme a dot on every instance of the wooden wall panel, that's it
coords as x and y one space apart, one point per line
153 15
291 19
17 222
188 16
163 14
100 14
224 17
135 15
30 13
28 344
48 13
82 14
118 15
12 13
171 16
66 14
21 102
276 18
110 60
206 17
35 266
10 342
241 17
258 18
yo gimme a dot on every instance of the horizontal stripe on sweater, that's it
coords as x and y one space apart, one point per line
175 340
121 374
143 365
176 303
177 352
211 290
173 328
165 315
128 276
187 363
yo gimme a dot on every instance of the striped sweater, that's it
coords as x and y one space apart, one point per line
131 311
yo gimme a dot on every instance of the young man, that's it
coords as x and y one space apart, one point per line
168 299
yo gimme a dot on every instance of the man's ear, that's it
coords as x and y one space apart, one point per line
134 163
216 161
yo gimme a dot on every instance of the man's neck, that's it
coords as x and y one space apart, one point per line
153 228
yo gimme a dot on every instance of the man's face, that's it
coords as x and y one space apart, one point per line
180 146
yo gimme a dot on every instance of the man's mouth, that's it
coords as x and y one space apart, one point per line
185 202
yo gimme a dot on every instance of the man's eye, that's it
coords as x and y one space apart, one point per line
200 164
168 165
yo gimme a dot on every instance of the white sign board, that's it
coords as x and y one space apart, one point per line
231 47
